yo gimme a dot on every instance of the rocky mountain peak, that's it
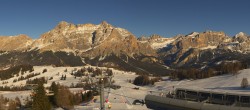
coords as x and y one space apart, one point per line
105 24
241 38
20 42
86 25
23 36
104 42
142 38
240 34
93 40
150 38
193 34
62 25
201 40
155 36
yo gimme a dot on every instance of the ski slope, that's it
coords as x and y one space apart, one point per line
122 99
224 83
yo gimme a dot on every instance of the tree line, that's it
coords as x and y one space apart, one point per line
11 72
8 104
14 88
193 73
42 80
95 72
62 97
142 80
27 77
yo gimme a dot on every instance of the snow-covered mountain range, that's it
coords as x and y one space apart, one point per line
106 45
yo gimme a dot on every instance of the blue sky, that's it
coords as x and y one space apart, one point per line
141 17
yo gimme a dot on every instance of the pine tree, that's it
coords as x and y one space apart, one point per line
64 98
62 77
84 97
1 102
18 102
40 100
244 83
54 88
89 95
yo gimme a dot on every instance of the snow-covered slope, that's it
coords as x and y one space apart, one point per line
225 83
56 73
116 98
156 41
51 72
164 42
121 99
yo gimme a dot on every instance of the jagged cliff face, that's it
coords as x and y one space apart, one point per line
239 43
202 40
191 49
118 44
66 36
188 47
102 45
91 40
156 41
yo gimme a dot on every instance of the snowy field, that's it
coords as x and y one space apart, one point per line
224 83
117 98
122 99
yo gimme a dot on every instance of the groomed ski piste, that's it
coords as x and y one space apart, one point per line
122 99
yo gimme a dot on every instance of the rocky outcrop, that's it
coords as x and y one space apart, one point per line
69 37
91 40
240 43
152 38
156 41
17 43
118 44
188 48
201 40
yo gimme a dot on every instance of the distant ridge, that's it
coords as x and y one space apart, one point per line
110 46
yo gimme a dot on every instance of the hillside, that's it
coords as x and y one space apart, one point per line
119 98
54 74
